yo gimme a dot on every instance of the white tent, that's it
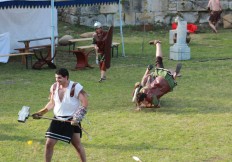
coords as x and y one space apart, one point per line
4 46
27 23
35 24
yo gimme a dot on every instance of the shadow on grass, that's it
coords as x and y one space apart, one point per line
127 147
181 107
8 134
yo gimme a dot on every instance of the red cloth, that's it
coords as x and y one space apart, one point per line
190 27
174 26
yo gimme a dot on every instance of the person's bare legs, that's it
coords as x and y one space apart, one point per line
178 67
76 142
49 147
213 26
157 43
159 53
146 76
102 71
103 74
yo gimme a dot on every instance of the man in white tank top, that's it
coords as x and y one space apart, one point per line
69 103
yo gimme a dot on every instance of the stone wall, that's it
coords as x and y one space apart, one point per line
139 12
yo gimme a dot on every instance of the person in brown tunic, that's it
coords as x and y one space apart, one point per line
155 84
99 45
215 9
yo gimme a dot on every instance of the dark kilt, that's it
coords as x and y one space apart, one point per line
215 16
62 131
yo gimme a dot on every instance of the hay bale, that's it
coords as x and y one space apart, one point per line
64 41
87 35
227 21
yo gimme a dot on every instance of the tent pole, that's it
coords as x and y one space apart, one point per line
53 28
121 32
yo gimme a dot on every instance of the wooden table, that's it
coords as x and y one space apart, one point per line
27 47
27 42
73 41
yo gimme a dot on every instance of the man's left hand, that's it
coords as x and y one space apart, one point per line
80 114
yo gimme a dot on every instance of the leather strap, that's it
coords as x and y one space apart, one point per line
72 90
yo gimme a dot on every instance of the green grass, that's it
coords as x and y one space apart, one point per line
193 123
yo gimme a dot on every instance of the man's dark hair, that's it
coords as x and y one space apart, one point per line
63 72
140 97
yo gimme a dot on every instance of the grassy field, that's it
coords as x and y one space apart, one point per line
193 124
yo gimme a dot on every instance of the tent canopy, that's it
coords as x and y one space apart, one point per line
46 3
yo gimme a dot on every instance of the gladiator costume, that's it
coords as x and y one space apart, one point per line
161 81
98 39
215 16
64 110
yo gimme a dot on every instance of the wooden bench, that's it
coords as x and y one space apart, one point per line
113 46
25 56
82 56
85 47
74 41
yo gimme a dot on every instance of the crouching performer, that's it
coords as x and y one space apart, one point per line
155 84
69 103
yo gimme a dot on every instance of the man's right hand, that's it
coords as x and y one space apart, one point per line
40 113
36 116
